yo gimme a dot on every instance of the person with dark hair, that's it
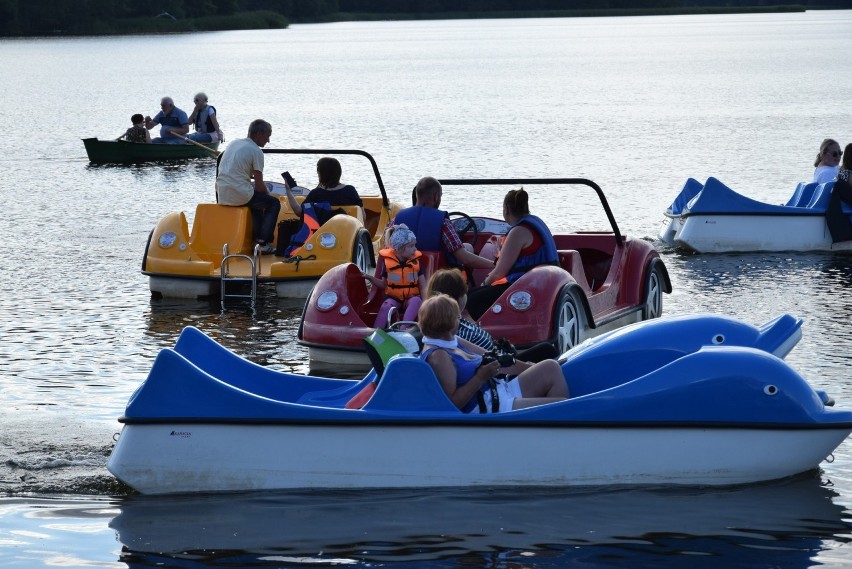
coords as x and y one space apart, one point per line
528 244
138 132
469 380
204 118
329 190
452 283
433 228
827 162
173 122
239 182
838 222
318 206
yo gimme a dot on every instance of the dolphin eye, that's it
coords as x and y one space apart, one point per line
719 339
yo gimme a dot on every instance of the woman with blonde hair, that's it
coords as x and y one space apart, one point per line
827 162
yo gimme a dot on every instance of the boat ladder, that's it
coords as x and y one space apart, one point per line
225 276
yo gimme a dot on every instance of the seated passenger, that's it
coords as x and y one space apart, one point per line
138 132
827 161
402 276
318 205
203 117
467 380
838 222
528 244
434 230
452 283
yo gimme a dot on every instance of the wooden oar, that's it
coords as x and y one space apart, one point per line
186 138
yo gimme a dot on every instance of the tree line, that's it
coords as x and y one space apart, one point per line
83 17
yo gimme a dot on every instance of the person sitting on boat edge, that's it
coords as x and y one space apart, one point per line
452 283
434 230
173 122
317 207
137 133
827 161
528 244
838 222
468 380
402 276
203 117
239 182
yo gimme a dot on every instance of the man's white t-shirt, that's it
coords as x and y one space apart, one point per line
233 184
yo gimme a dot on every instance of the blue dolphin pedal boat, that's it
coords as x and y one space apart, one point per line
713 218
691 400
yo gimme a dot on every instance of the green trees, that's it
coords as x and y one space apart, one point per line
76 17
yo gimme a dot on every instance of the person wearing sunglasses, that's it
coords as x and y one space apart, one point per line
204 118
838 222
827 161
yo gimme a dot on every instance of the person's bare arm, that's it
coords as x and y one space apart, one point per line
517 239
259 184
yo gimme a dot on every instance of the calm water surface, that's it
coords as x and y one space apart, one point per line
636 104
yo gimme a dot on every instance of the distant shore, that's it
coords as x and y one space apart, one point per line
165 22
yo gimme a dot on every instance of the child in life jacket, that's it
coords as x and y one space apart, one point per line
402 276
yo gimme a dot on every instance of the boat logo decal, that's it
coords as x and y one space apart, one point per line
181 434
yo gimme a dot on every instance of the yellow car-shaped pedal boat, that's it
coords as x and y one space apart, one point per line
184 263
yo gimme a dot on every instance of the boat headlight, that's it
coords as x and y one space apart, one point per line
520 300
167 239
327 300
327 240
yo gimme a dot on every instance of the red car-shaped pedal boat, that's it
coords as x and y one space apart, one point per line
605 280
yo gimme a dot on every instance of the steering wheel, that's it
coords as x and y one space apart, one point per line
470 225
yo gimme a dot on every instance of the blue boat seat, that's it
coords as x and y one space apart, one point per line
215 225
803 194
819 201
409 384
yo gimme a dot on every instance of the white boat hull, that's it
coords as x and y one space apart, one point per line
209 457
724 233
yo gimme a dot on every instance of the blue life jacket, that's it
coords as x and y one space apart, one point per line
545 255
465 369
310 224
426 223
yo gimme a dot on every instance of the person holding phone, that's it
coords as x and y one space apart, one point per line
318 206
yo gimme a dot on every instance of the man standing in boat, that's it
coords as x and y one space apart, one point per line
239 182
173 122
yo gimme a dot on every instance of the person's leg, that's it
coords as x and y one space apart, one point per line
538 353
481 298
837 222
264 208
412 305
200 137
544 379
382 316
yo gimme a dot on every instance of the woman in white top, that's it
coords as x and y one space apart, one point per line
827 161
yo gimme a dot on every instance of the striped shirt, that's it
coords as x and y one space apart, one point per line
474 334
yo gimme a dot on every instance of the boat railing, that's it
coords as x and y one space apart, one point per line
542 181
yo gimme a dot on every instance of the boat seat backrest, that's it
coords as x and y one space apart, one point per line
803 194
409 384
572 262
355 211
819 201
215 225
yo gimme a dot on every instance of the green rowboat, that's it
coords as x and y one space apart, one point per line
123 152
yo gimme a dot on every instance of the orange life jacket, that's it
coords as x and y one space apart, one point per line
402 277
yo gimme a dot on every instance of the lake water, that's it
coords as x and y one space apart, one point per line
636 104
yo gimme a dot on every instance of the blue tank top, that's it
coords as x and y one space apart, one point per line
465 369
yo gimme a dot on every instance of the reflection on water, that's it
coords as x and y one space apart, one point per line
786 524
